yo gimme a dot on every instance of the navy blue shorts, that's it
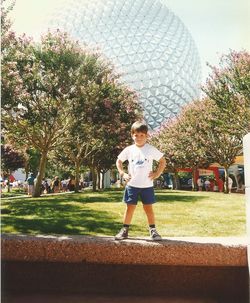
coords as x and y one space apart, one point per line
131 195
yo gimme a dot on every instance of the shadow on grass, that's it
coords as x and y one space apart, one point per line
92 197
70 214
62 214
60 219
173 197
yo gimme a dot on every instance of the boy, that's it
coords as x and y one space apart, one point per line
139 178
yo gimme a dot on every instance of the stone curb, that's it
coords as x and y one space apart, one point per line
105 250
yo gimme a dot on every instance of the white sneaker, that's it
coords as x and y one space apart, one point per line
154 234
123 234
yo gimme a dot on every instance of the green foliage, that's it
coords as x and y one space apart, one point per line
60 98
212 129
229 87
11 160
182 139
6 7
99 118
229 84
33 159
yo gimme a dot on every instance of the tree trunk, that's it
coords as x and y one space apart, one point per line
77 176
40 175
98 179
226 190
176 181
194 178
103 176
93 171
8 185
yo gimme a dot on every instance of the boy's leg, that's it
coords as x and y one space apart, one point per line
148 208
148 199
130 197
123 233
128 215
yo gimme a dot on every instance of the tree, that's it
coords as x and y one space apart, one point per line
212 129
166 139
113 113
49 75
203 134
224 134
100 123
182 140
6 7
229 87
229 84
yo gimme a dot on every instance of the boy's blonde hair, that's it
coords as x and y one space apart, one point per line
139 127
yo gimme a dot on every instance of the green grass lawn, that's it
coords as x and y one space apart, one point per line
13 192
178 213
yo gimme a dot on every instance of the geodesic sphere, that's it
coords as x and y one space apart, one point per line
148 45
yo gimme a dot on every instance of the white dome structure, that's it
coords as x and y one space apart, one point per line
147 43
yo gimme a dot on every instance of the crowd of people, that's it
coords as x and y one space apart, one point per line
48 185
56 185
209 184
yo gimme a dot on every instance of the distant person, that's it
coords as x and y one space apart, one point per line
11 178
46 187
31 183
212 183
158 183
64 185
220 185
230 184
200 184
207 185
56 185
71 183
42 186
139 178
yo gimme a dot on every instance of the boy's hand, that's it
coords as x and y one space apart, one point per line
153 175
126 177
156 174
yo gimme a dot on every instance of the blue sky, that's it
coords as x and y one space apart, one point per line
216 25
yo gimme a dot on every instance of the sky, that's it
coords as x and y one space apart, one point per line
215 25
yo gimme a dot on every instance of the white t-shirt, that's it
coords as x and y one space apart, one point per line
140 163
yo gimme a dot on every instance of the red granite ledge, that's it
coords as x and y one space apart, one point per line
105 250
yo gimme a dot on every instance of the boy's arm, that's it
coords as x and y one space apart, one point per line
161 166
121 171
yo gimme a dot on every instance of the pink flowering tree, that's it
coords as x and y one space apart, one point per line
112 116
59 94
228 86
224 134
212 129
40 84
100 123
182 140
202 134
166 140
